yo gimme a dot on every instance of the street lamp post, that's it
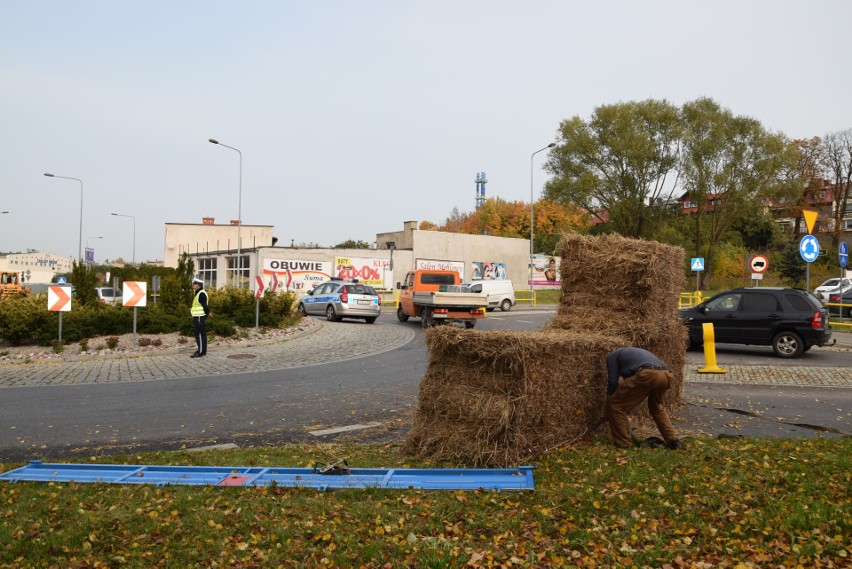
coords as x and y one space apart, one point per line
134 233
239 210
80 241
532 216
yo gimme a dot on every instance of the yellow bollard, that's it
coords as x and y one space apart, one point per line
710 350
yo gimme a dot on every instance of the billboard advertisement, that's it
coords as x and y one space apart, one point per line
374 272
545 271
298 276
487 271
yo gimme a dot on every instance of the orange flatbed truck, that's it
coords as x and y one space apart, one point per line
436 297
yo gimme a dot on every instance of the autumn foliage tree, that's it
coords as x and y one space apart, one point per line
502 218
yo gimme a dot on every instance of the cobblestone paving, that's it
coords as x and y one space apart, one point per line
773 375
325 343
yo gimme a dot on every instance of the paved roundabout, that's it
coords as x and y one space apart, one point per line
320 343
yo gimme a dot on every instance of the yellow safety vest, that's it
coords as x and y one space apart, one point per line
197 309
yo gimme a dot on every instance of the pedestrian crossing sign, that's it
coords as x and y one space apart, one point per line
698 263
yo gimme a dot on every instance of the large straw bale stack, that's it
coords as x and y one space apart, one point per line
497 398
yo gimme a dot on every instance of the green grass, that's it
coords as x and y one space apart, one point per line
720 502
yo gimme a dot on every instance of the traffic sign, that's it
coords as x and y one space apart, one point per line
697 263
758 263
810 219
61 280
59 298
259 286
843 254
809 248
274 285
134 293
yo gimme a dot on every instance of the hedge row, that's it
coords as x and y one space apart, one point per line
26 320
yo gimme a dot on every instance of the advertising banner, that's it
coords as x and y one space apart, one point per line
545 271
374 272
439 265
298 276
487 271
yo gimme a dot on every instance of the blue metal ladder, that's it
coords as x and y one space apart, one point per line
497 479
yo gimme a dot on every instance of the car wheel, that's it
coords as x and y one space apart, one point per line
787 345
400 315
302 310
506 305
331 314
849 312
469 324
370 319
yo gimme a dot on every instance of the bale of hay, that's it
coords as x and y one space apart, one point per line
620 274
498 398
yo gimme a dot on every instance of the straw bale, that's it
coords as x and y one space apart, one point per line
620 273
497 398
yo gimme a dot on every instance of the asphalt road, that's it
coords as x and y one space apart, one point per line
296 405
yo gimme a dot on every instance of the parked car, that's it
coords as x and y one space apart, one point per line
790 320
846 302
501 293
108 295
835 285
338 299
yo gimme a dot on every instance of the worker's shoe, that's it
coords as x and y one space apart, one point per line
674 444
195 355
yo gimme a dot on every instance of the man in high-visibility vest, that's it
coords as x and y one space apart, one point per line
200 311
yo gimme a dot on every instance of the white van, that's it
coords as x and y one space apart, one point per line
500 293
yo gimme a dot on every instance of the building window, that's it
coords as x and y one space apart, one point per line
207 271
238 277
847 224
689 205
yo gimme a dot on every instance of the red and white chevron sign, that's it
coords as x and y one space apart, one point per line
259 286
59 298
134 293
274 285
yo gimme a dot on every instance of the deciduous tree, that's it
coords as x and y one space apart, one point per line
618 161
837 156
729 166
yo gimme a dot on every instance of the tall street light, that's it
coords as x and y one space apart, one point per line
134 233
80 242
532 215
239 210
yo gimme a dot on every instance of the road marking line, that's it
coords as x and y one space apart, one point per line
224 446
344 429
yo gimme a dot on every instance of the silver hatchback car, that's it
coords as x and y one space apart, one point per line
339 299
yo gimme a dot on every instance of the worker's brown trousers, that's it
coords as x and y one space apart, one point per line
649 383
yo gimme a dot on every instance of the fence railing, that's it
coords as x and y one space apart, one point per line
525 296
689 299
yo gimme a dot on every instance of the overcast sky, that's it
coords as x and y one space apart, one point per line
353 117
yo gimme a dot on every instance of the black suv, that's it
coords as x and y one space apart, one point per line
791 320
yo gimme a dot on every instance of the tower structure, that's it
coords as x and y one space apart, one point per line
480 189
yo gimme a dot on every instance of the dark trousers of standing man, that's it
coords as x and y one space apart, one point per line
201 333
650 383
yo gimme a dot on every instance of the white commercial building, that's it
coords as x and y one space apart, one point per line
212 248
35 267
